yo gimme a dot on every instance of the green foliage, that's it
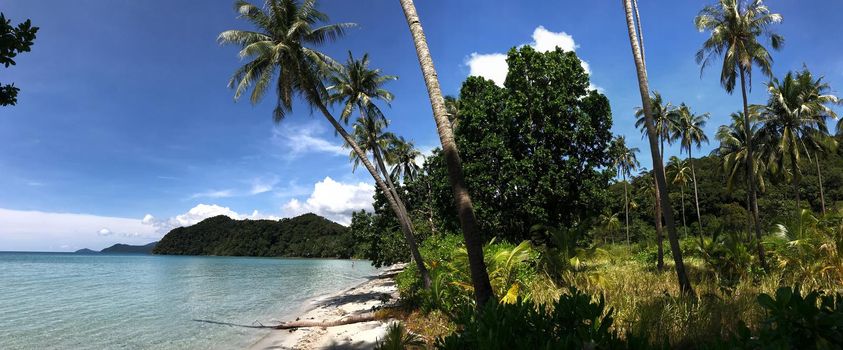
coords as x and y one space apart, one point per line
794 321
308 235
383 246
533 150
397 338
13 40
574 321
729 258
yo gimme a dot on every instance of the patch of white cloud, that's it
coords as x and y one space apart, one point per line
213 194
490 66
297 140
30 230
198 213
493 66
263 185
333 200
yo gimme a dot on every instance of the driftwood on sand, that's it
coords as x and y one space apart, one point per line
366 317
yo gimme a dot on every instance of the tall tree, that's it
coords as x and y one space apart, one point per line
679 171
689 131
624 159
735 27
662 113
795 118
734 148
403 155
465 210
658 167
355 86
282 46
13 40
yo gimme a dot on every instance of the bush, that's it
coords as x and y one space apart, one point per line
574 322
814 321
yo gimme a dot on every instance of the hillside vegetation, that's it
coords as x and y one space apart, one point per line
308 235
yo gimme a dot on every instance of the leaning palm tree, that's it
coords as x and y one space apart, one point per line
821 143
795 116
689 131
282 46
734 148
402 156
735 28
625 160
662 113
652 133
465 209
679 171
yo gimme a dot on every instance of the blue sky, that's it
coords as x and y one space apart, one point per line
125 126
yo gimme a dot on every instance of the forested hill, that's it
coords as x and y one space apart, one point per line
308 235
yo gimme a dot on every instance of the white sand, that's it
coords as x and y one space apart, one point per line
374 293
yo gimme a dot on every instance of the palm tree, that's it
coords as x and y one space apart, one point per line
678 168
465 210
609 224
689 131
452 106
733 150
282 46
662 113
795 116
355 86
735 28
658 167
625 161
821 144
402 154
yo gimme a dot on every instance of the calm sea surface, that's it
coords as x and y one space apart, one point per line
67 301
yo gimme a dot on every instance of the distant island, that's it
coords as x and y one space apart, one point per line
308 235
121 249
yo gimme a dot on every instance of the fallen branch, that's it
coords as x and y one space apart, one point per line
370 316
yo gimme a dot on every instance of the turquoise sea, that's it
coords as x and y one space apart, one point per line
68 301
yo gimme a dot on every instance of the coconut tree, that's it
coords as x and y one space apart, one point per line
678 170
282 46
688 129
795 116
402 156
736 27
452 106
662 112
625 160
734 148
465 209
652 136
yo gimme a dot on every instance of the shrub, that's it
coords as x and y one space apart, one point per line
397 338
574 322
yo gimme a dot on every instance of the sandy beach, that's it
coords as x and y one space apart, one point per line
376 292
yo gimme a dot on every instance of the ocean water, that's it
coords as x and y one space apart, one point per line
67 301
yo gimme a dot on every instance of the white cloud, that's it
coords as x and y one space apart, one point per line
213 194
198 213
545 40
301 139
490 66
261 185
493 66
43 231
333 200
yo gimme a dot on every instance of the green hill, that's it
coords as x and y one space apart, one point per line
129 249
308 235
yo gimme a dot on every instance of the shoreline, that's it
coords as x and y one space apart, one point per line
377 291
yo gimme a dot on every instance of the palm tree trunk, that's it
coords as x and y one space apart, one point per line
465 210
681 274
684 222
820 180
696 193
641 39
795 170
406 227
659 229
626 206
750 175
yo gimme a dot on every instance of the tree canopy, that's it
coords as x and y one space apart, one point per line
13 40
